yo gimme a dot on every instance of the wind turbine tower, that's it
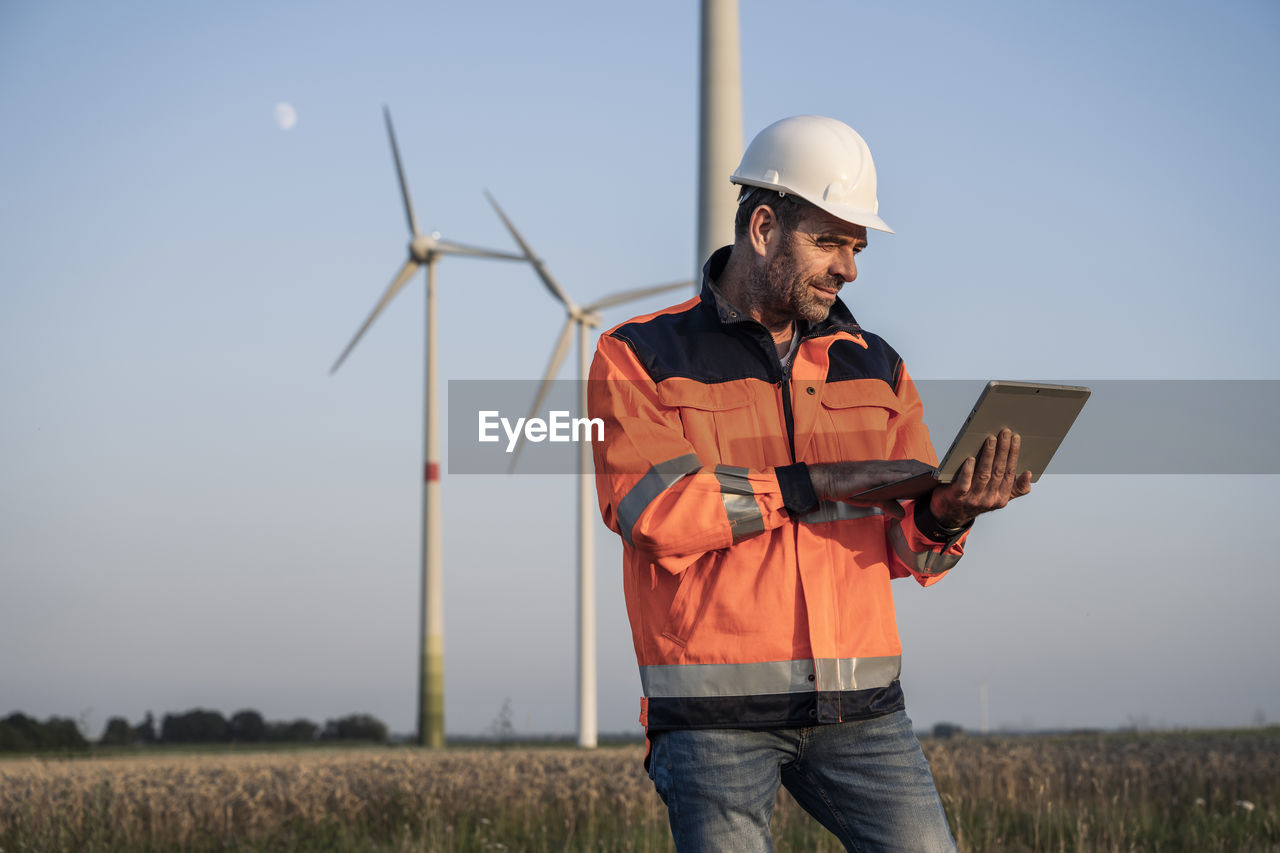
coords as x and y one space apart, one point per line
719 127
424 251
585 317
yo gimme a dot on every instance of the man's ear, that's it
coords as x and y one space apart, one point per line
762 230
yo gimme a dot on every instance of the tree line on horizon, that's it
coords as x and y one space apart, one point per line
21 733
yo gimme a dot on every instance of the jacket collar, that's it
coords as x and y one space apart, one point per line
839 320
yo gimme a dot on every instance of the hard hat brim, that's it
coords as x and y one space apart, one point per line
865 218
853 215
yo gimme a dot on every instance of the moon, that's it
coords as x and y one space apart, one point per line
286 116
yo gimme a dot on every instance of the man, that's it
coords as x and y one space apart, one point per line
736 426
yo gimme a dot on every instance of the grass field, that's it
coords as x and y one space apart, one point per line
1172 792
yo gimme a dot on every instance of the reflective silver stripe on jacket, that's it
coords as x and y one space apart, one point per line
925 562
656 480
771 677
838 511
739 502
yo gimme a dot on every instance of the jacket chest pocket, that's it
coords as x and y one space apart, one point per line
857 421
721 421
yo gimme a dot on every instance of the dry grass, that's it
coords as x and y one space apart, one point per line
1082 793
1196 792
453 800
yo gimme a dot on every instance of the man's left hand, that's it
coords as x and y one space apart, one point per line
988 482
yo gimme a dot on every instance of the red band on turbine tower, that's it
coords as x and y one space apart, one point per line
431 472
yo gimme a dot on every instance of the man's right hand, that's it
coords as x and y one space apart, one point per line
837 481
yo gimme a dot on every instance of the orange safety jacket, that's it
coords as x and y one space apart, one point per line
752 603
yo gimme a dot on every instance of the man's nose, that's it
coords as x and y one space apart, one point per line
845 265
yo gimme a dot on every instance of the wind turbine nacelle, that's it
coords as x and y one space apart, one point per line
422 246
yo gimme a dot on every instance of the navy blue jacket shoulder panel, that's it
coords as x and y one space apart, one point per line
696 345
708 343
878 360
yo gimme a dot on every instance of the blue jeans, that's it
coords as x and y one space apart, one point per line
867 781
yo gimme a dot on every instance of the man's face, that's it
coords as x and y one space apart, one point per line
803 275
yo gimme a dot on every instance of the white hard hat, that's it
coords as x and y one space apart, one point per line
821 160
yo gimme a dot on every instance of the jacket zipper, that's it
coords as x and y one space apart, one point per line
784 385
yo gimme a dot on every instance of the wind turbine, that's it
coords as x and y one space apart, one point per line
585 317
424 251
719 127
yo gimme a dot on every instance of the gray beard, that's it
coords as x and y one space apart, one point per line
782 295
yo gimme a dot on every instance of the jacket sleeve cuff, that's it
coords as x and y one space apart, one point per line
931 527
798 495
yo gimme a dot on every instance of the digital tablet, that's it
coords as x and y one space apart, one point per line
1042 414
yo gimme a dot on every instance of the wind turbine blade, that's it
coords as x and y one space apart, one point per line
538 267
404 185
406 273
448 247
637 293
553 367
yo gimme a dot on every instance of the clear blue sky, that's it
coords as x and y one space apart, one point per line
193 513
